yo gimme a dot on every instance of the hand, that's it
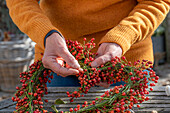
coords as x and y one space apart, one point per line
56 47
106 52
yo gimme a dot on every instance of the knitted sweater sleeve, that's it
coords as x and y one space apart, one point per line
30 19
139 24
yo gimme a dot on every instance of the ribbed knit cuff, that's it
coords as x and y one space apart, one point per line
121 35
39 30
49 33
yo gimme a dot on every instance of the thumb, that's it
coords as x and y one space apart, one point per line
101 60
69 58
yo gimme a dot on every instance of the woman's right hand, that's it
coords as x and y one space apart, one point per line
56 47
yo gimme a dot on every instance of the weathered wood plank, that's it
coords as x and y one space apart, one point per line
142 105
11 110
92 98
99 94
82 101
163 110
147 107
157 102
6 103
154 105
149 110
93 89
66 107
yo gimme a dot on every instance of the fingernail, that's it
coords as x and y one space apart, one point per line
77 72
76 65
80 69
97 84
94 64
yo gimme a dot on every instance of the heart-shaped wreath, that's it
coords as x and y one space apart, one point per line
119 99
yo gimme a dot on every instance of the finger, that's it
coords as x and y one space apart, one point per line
100 51
69 58
57 68
67 71
101 60
61 62
103 84
98 55
80 69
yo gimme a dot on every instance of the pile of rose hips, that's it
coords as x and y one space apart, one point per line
119 99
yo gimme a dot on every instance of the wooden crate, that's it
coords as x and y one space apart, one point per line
159 101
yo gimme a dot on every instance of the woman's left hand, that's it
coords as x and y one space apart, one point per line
106 52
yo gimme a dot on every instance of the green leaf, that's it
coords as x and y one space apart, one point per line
54 108
59 101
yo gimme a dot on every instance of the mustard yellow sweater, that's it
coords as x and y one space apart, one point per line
129 23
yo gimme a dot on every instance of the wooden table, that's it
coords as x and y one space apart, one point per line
159 101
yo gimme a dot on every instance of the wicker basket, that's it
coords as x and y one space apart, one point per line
15 58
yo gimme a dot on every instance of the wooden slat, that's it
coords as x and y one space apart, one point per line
92 98
6 103
151 105
159 108
99 94
10 109
159 97
82 101
148 110
93 89
143 106
154 105
66 107
163 110
157 102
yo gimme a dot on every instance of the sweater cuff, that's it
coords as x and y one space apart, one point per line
121 35
49 33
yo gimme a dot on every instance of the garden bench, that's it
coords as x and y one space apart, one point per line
159 101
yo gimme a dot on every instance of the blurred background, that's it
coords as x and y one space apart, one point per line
17 52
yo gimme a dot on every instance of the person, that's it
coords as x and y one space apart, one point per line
120 27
